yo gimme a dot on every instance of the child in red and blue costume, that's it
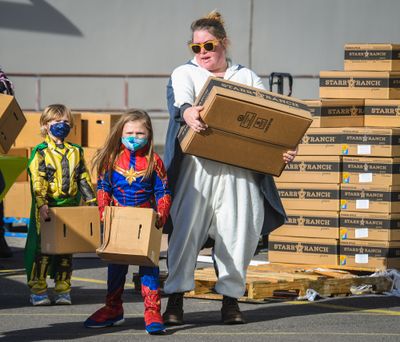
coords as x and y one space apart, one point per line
131 174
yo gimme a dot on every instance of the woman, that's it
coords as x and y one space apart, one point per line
229 204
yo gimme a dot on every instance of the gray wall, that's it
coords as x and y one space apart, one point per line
149 37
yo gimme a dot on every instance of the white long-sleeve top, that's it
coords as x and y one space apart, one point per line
188 80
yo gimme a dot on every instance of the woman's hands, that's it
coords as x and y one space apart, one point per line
192 118
289 156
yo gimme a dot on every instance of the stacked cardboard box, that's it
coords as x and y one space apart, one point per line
95 129
357 119
309 190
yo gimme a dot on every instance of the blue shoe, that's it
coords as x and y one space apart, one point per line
40 299
63 299
155 329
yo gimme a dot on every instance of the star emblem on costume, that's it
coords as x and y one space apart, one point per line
130 175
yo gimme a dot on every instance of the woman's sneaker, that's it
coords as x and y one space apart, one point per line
106 316
40 299
63 299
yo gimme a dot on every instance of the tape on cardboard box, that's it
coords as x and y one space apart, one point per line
369 170
369 254
289 249
382 56
369 226
379 199
309 196
359 84
310 223
312 169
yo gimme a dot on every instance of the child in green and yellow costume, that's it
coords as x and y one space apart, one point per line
59 178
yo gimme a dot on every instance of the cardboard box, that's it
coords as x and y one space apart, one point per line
130 236
382 113
309 196
89 153
369 226
96 127
30 134
370 170
12 120
359 84
315 110
372 142
322 141
370 254
311 224
248 127
312 169
21 152
382 57
337 112
71 230
370 198
298 250
18 201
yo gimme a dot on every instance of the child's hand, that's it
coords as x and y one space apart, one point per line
44 212
158 221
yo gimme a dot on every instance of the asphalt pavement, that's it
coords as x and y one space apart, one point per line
355 318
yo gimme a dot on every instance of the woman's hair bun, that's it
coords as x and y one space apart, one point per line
215 15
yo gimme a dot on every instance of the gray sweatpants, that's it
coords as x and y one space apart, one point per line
220 201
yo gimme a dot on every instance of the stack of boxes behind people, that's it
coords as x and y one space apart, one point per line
90 131
354 141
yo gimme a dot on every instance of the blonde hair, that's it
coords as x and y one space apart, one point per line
105 158
213 23
54 112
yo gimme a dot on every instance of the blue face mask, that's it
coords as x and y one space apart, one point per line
60 130
133 144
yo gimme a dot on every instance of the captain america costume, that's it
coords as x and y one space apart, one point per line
124 186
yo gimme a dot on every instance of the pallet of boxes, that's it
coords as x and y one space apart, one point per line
342 193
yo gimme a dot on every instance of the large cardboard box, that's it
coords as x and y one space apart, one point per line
359 84
322 141
382 113
315 110
96 127
309 196
21 152
372 142
311 224
374 255
382 57
17 202
130 236
71 230
337 112
12 120
369 226
30 134
370 198
248 127
370 170
302 250
312 169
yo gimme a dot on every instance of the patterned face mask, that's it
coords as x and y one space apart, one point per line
60 130
133 144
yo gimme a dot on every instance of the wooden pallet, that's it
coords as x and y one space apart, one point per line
273 281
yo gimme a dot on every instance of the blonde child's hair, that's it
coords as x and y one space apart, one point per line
213 23
105 158
54 112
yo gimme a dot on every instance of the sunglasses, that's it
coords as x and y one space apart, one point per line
208 46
